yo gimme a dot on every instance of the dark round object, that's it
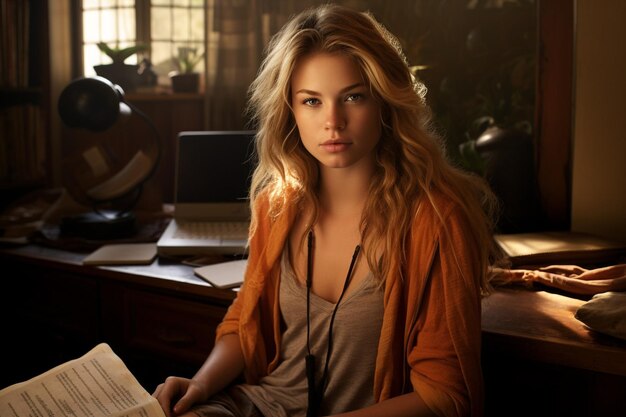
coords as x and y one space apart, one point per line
510 171
91 103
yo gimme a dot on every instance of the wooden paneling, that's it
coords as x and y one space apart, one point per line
554 109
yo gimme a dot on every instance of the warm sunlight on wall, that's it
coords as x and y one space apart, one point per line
599 160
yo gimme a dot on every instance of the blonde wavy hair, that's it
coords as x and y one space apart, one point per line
410 159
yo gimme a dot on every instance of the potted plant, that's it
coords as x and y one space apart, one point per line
185 79
118 72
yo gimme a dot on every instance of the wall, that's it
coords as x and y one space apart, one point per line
60 75
599 155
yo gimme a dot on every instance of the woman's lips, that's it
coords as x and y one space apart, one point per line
335 145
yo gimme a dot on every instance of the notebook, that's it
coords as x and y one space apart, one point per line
211 211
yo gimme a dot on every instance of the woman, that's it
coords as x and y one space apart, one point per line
368 250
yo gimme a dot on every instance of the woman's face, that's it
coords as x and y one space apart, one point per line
337 116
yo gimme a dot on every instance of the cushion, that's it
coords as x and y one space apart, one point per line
605 313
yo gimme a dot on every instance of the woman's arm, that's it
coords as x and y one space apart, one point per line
222 366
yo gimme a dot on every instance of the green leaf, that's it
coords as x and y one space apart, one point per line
119 55
187 59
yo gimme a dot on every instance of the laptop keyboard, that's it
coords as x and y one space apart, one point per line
211 230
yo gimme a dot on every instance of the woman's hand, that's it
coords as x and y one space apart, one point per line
176 395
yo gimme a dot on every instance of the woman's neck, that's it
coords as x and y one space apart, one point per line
344 191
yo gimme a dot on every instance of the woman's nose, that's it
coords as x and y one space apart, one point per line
335 118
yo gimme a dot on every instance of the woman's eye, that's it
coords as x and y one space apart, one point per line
354 97
312 101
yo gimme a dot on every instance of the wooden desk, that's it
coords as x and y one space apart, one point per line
538 359
540 325
160 319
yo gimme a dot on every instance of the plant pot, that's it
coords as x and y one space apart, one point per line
124 75
185 82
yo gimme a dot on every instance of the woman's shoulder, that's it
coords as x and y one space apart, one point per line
272 202
441 216
272 209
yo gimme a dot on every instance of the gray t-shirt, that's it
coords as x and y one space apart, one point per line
356 331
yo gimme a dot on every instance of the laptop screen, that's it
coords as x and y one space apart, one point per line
214 166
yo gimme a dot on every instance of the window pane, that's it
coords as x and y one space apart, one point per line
90 4
127 25
183 3
162 57
161 2
108 30
181 24
93 57
161 23
91 26
110 21
197 25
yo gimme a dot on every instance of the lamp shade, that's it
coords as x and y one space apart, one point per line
92 103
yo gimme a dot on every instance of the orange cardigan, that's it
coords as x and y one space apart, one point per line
433 349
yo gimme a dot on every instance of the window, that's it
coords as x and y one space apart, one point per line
167 27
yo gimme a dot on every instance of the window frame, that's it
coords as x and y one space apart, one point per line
143 32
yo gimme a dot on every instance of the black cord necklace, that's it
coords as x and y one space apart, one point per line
316 391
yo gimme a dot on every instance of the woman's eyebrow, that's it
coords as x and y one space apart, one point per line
343 90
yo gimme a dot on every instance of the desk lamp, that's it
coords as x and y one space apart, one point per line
96 104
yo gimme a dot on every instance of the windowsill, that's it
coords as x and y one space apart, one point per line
159 93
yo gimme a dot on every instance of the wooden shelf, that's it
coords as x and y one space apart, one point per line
25 151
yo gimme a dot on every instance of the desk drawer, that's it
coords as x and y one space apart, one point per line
55 300
179 329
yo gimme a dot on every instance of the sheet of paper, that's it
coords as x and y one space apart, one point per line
224 274
122 254
97 384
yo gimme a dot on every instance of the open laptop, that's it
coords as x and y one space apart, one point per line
213 171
